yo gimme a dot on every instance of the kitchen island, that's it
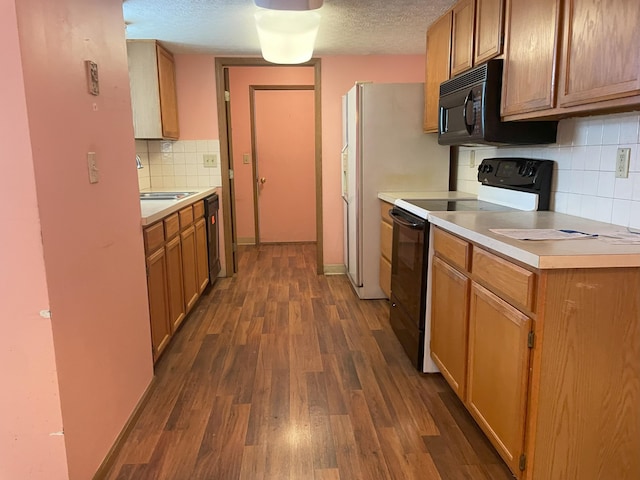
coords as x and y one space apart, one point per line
541 340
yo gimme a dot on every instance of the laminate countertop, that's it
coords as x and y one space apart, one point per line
154 210
391 197
542 254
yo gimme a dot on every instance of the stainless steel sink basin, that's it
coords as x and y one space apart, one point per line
165 195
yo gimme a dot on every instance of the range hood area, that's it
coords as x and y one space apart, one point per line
469 112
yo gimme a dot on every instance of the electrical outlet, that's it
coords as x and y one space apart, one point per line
622 162
210 160
246 159
93 167
472 159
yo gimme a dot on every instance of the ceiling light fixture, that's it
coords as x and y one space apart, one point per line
287 29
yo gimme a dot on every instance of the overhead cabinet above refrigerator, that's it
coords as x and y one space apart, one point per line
386 150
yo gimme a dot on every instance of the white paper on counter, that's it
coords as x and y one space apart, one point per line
541 233
622 238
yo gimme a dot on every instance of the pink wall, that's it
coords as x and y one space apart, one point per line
240 78
339 73
196 85
91 234
29 403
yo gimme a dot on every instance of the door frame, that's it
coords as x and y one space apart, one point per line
254 158
228 202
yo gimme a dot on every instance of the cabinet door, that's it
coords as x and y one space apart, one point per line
174 283
601 45
462 36
386 246
202 256
158 302
530 56
437 69
489 30
449 323
189 269
168 98
498 372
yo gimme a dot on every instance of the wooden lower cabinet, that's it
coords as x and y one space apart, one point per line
498 373
450 324
386 247
189 268
177 271
584 419
552 362
202 255
480 342
158 302
174 282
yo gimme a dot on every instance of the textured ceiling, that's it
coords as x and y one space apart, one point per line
226 27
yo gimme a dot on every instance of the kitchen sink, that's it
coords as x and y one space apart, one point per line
165 195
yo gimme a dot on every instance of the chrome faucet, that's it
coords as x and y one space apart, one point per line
138 162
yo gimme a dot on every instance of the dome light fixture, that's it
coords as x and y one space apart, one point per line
287 29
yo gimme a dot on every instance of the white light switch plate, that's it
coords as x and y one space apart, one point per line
93 167
210 160
622 162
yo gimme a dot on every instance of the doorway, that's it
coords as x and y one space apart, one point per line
283 146
222 66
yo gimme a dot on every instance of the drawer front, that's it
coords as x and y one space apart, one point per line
452 248
504 277
186 217
386 240
153 237
198 209
171 226
384 212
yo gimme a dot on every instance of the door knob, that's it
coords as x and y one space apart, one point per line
263 180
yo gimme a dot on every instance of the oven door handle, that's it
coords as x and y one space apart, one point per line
404 222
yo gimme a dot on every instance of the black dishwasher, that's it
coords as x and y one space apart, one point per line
211 206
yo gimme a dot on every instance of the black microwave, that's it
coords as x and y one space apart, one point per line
470 112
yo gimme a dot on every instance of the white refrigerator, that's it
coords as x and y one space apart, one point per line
384 150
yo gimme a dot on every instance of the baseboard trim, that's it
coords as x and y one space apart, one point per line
246 240
107 463
338 269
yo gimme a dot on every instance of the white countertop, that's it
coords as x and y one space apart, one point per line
391 197
546 254
154 210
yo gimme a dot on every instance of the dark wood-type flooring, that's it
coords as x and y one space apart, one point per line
280 373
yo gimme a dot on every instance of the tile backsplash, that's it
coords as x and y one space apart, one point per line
584 182
177 164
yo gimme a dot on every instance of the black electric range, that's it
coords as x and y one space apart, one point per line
510 183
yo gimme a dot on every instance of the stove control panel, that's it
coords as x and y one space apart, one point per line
524 174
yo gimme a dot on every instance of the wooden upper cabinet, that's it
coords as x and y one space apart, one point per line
153 90
437 68
489 30
168 97
601 51
529 67
462 36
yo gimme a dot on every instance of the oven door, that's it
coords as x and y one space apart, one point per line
408 275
